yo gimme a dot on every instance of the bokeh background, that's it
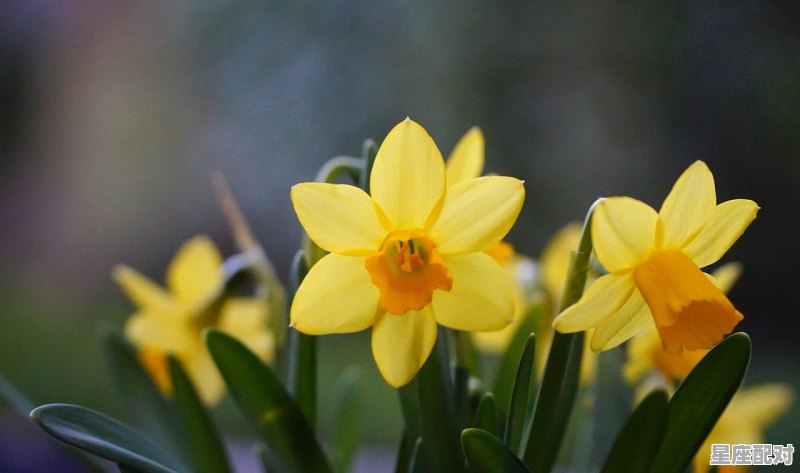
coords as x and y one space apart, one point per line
113 114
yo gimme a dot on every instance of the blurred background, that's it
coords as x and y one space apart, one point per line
113 115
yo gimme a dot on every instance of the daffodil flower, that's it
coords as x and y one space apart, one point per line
654 260
749 413
645 350
171 322
408 256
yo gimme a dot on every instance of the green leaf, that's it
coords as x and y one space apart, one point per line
521 396
266 404
486 415
612 403
416 463
347 422
301 379
143 401
560 380
487 454
507 369
640 438
429 411
207 450
105 437
700 400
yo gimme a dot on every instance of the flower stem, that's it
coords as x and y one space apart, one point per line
429 412
560 380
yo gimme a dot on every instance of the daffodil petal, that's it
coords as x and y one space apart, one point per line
337 296
402 343
623 232
481 298
466 160
602 298
141 290
339 218
724 227
203 372
196 271
688 206
408 177
623 324
477 214
155 330
245 318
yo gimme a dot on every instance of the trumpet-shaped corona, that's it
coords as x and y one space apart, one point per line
654 260
408 256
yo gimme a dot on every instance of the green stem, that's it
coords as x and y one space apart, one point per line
301 375
465 367
560 380
429 412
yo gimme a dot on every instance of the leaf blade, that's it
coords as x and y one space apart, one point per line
207 452
104 436
266 404
700 400
487 454
639 439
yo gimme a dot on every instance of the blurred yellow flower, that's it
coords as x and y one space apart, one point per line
749 413
171 321
408 256
654 260
645 350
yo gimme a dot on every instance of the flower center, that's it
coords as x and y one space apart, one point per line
689 310
407 269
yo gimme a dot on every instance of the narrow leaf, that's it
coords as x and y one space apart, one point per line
560 380
700 400
266 404
507 369
521 396
640 438
486 415
105 437
207 450
301 378
429 411
348 420
487 454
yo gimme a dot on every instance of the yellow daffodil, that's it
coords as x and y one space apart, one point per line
171 322
408 256
654 260
749 413
645 350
